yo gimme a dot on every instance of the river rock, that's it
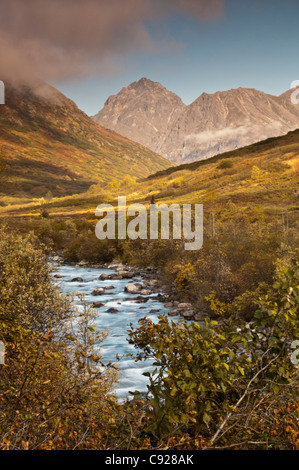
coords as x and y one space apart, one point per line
174 313
77 279
184 306
188 314
169 304
108 287
58 276
133 288
112 310
115 277
145 292
115 265
83 263
104 277
97 304
126 274
99 291
141 299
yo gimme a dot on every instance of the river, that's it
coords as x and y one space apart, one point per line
129 311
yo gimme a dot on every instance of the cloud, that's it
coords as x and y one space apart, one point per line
61 39
205 10
226 134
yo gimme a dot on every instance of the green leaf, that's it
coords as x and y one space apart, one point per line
206 418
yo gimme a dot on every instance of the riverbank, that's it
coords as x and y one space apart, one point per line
121 295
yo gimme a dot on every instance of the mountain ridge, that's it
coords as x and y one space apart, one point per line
148 113
48 144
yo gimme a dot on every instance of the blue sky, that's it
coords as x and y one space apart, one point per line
253 44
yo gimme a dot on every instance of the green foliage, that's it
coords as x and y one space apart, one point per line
223 384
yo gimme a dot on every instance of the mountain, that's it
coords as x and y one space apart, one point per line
48 144
143 111
149 114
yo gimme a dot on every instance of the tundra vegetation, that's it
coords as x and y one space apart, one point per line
229 383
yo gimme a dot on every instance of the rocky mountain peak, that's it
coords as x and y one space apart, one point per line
148 113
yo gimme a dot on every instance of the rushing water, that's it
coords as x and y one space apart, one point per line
129 311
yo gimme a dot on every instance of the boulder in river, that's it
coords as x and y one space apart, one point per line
104 277
184 306
97 304
112 310
126 274
115 277
188 314
77 279
145 292
141 299
83 263
99 291
133 288
58 276
108 287
116 265
174 312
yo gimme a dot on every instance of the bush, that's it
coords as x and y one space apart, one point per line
53 394
224 384
225 164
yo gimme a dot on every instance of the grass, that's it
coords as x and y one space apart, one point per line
262 175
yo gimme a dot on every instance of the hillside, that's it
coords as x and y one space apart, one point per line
148 113
48 144
262 176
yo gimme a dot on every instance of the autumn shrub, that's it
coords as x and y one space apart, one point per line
55 389
227 383
224 164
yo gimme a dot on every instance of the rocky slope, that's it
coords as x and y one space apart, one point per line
48 144
149 114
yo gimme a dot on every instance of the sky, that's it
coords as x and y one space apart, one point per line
90 50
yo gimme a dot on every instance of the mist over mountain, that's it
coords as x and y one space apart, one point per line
148 113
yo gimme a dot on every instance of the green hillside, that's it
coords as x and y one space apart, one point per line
264 173
48 144
263 176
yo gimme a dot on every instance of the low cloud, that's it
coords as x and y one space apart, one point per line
61 39
247 131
